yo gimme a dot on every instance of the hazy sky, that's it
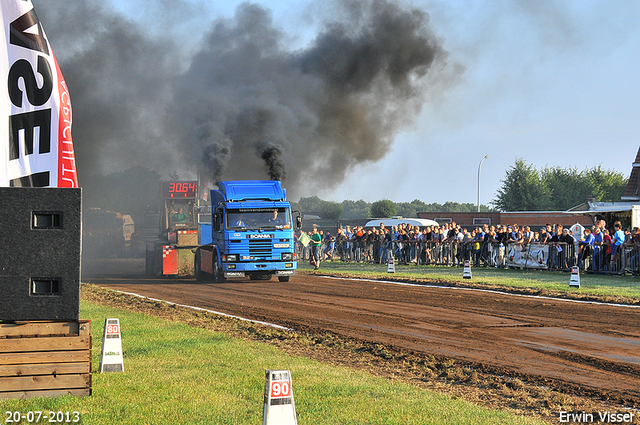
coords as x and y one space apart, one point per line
555 83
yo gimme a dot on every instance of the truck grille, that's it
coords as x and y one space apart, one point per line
260 247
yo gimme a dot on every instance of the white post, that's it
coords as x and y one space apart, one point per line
279 407
111 359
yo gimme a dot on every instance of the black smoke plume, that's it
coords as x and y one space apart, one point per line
237 94
215 159
272 156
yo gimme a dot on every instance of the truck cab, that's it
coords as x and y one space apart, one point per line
252 233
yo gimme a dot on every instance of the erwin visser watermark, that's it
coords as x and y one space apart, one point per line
605 417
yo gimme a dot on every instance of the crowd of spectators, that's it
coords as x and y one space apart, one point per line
597 249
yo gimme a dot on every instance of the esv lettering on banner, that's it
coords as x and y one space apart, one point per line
35 112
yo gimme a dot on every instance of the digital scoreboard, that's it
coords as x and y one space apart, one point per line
179 190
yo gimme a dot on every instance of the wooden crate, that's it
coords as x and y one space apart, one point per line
45 359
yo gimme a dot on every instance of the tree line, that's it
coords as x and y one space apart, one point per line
524 188
349 209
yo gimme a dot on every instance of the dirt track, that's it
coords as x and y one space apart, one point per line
592 347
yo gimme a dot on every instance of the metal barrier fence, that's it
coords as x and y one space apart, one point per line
555 256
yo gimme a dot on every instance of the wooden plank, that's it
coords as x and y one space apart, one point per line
56 343
29 329
47 328
44 369
46 382
45 357
45 393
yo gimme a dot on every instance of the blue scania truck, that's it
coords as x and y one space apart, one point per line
252 233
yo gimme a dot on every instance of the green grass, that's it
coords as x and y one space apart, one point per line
177 374
608 288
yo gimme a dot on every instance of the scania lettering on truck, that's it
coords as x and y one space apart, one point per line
252 233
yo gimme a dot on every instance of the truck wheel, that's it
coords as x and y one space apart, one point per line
283 278
218 274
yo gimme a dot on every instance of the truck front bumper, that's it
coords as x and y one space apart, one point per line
279 268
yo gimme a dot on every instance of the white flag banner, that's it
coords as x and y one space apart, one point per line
35 110
531 256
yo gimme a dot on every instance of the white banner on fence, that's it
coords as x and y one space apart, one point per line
532 256
35 110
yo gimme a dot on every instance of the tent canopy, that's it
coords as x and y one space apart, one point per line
395 221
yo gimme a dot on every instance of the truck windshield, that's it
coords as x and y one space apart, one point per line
255 219
180 215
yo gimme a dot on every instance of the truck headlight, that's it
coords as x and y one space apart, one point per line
287 256
230 257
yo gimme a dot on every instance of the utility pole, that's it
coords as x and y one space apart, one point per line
479 166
